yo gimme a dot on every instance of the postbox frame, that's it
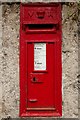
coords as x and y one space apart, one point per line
23 69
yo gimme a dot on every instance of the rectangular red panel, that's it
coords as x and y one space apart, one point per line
40 60
41 82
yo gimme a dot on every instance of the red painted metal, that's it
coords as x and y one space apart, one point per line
40 23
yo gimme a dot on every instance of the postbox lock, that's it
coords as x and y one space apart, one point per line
41 14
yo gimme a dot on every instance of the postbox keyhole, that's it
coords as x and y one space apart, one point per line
34 79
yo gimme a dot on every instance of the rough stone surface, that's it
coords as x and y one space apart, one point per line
10 104
10 61
26 1
0 58
70 62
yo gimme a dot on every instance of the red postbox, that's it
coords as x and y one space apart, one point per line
40 59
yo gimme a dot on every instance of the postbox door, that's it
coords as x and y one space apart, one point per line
40 76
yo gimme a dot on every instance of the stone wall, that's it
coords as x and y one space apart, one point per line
70 61
10 60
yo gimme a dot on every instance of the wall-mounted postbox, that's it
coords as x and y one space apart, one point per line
40 60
